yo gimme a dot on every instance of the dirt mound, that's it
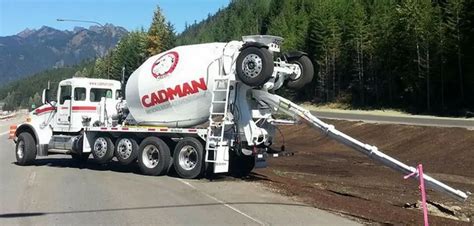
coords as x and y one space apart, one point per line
331 176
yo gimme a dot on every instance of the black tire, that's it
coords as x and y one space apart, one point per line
254 66
241 166
25 150
80 157
102 149
307 72
188 158
126 150
154 156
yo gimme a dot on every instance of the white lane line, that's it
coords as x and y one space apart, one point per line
6 132
222 202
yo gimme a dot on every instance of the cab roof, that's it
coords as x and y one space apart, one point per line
91 82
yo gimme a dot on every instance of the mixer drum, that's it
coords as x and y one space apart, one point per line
174 88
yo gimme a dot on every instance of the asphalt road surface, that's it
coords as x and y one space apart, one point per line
407 120
58 191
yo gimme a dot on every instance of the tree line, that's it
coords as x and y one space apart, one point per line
415 55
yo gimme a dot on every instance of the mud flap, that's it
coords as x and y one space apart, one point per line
88 140
221 164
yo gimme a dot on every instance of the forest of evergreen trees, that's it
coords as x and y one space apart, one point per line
414 55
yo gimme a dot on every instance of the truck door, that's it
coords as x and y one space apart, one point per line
64 107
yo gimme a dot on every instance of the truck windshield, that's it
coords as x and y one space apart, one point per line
65 94
97 94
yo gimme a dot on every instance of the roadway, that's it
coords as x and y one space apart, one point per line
406 120
58 191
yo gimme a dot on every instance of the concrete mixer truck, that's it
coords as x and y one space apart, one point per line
205 108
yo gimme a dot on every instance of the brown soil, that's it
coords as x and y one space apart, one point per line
330 176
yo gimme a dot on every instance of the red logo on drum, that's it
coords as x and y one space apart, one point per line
165 65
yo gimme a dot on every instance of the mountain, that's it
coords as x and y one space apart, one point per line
35 50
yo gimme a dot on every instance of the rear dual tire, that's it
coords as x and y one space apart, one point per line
126 150
188 158
103 149
154 156
304 73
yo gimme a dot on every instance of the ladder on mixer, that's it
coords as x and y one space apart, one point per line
218 119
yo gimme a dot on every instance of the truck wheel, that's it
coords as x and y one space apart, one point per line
126 150
188 158
304 73
103 149
241 166
254 66
154 156
80 157
25 150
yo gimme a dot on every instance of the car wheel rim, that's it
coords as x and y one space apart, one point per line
20 149
188 157
100 147
125 148
252 65
150 156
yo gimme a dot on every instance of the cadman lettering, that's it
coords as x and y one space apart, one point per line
178 91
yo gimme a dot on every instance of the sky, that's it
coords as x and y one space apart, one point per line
16 15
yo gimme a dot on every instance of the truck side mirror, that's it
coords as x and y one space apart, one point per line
45 96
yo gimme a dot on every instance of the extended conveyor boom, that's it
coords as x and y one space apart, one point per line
283 105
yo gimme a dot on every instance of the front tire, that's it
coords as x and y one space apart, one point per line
188 158
103 149
254 66
154 156
25 150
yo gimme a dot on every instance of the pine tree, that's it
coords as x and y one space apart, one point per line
159 35
130 53
361 43
417 18
454 10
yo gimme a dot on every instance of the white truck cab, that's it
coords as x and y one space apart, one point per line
81 98
57 125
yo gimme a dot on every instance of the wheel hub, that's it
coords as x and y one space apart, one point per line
252 65
20 149
296 71
124 148
100 147
150 156
188 157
